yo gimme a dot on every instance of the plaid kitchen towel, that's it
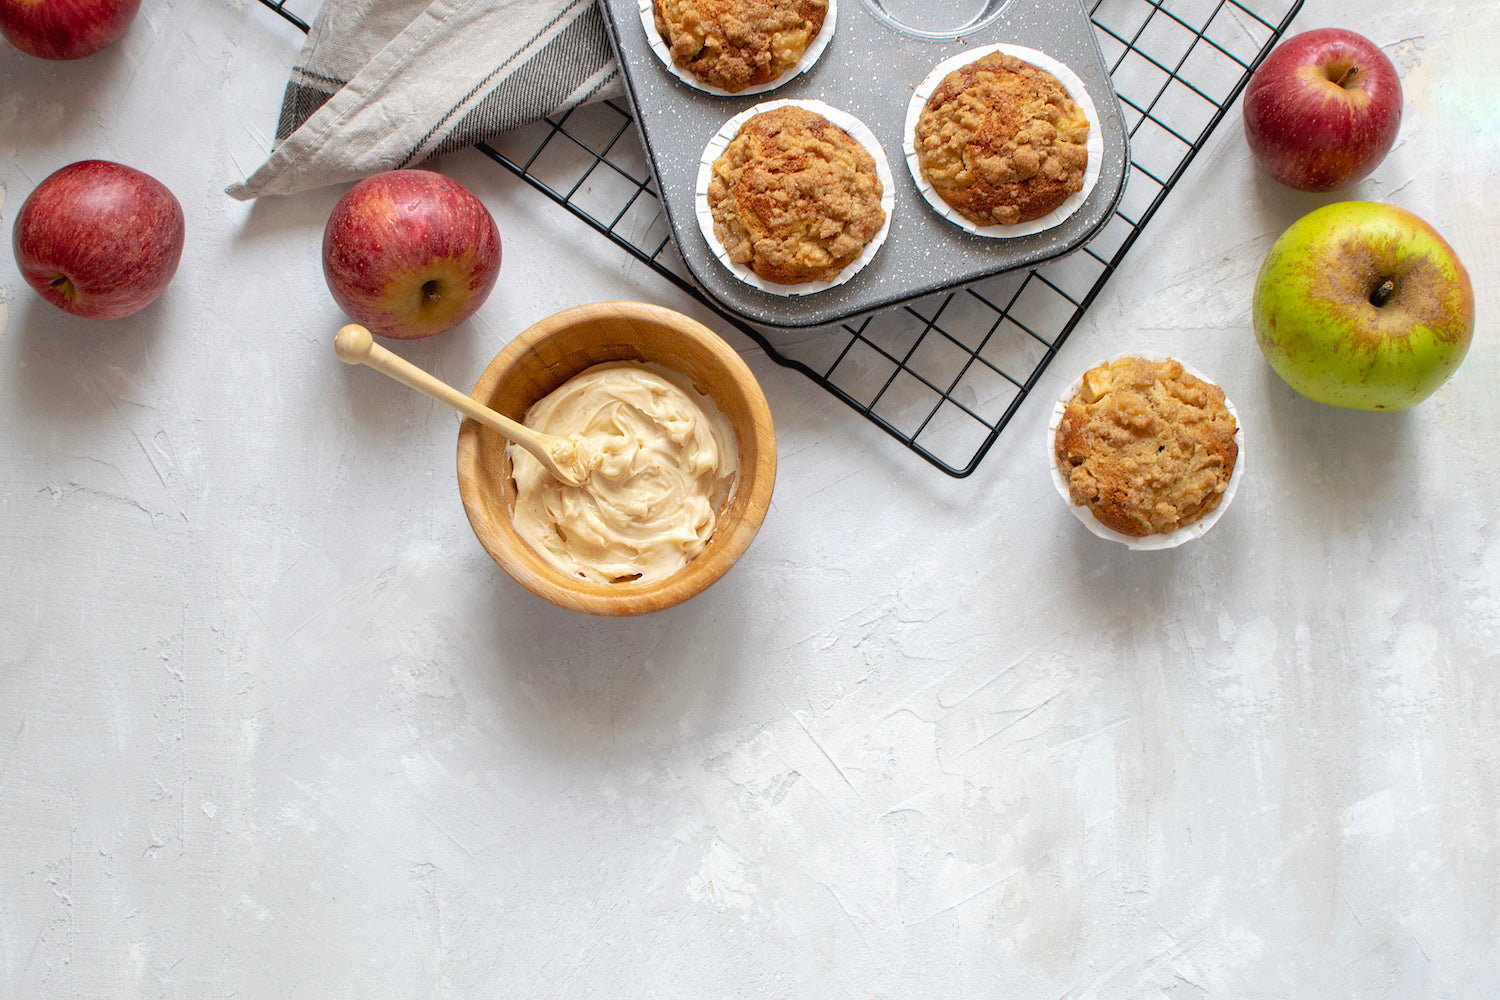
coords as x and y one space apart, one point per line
388 83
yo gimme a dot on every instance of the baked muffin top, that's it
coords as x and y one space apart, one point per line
1001 141
1147 447
734 44
794 197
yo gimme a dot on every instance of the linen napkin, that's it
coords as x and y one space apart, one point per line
382 84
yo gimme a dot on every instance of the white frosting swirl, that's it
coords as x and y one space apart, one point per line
661 462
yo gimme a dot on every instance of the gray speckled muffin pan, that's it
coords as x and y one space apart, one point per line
880 52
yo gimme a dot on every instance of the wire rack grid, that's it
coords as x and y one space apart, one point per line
943 374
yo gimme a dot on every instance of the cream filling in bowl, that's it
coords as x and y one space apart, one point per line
661 462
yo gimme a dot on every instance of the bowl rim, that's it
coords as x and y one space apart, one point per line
751 495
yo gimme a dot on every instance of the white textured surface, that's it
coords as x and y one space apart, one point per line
271 725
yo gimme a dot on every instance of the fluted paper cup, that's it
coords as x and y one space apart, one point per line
1164 540
1076 90
857 130
809 56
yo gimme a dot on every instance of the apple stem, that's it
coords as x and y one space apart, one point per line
430 291
1383 293
1344 79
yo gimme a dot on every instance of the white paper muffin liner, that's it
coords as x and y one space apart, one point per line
809 56
857 130
1071 83
1167 540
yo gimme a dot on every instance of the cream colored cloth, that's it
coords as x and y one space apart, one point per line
382 84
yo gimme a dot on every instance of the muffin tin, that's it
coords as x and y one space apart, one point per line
880 52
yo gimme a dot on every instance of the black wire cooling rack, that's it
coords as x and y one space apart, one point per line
943 374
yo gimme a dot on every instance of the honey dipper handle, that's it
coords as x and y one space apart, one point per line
355 346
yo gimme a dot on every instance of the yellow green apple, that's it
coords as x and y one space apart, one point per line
1363 305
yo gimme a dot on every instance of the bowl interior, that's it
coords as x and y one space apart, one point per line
546 355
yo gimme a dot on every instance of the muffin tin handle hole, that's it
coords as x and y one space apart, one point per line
936 18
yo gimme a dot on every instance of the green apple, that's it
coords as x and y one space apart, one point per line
1364 305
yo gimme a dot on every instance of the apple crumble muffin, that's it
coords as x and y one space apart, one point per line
1146 446
1001 141
734 44
794 197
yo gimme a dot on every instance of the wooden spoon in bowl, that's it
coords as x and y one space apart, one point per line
568 459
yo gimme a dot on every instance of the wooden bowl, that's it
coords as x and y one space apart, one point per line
546 355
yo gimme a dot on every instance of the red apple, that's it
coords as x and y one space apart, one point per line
1322 110
410 253
99 239
65 29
